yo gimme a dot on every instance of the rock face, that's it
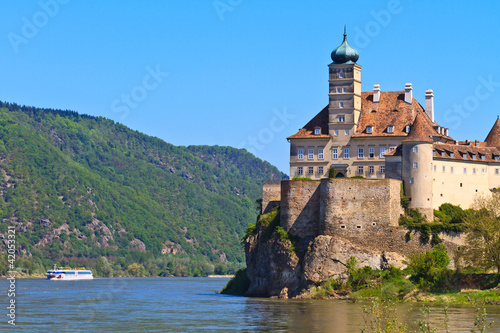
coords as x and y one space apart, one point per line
319 226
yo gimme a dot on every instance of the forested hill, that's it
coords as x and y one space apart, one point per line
79 187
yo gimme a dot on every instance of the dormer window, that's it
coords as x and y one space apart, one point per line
407 128
473 156
369 129
464 155
433 153
482 157
451 155
442 154
317 131
496 157
390 129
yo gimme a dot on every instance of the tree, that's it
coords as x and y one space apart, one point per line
483 239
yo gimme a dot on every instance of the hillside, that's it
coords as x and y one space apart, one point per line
80 187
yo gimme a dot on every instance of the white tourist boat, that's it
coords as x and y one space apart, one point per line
68 273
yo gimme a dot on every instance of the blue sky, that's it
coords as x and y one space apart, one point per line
245 73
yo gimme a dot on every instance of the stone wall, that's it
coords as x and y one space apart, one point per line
329 206
271 196
300 206
357 206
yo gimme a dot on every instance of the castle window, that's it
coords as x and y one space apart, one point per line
451 155
310 170
444 168
300 171
300 154
496 157
415 165
336 132
361 153
371 169
435 168
341 75
338 90
390 129
341 104
382 152
346 132
310 153
473 171
371 152
341 119
335 153
482 157
407 128
342 226
460 184
497 171
464 155
412 180
360 169
442 154
369 129
320 153
382 169
415 149
473 156
345 90
317 131
320 170
451 169
346 152
465 171
483 170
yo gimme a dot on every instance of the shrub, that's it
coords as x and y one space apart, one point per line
427 268
331 173
238 285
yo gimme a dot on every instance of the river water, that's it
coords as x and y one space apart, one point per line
190 305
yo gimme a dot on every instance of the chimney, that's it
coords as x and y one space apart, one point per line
408 93
429 103
376 93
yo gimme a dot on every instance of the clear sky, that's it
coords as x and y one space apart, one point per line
245 73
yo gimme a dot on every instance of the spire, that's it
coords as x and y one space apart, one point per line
345 53
420 130
493 138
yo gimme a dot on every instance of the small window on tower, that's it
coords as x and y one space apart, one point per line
412 180
341 74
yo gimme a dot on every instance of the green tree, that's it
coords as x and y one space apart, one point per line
482 248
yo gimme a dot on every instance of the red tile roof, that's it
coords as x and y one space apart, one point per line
493 138
307 132
421 130
455 152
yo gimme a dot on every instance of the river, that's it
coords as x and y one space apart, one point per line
191 305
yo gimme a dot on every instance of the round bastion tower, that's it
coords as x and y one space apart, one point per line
417 165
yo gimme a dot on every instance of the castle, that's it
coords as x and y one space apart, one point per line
388 134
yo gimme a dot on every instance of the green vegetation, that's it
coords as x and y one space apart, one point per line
449 218
331 173
78 188
238 285
301 178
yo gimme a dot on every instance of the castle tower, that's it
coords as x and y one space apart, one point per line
417 165
493 138
344 106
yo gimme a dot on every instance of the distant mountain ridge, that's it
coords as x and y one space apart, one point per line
80 187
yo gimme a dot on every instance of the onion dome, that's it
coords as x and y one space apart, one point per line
345 53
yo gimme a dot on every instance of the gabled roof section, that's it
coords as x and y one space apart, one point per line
391 110
421 130
307 132
458 151
493 138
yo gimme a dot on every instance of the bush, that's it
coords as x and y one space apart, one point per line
427 268
331 173
238 285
